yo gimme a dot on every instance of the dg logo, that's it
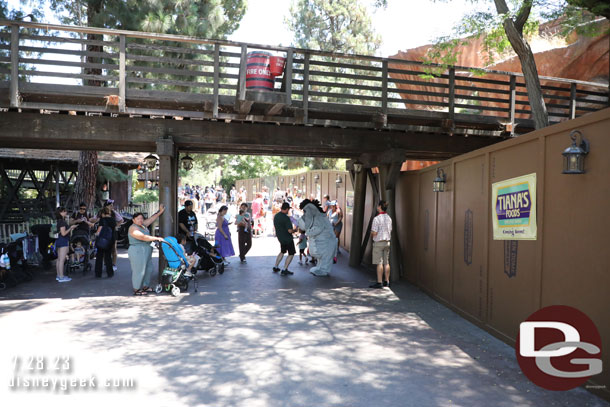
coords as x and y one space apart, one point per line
559 348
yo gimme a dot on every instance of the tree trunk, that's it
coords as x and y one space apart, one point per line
514 32
84 190
530 73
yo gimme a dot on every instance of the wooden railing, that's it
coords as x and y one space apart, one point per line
8 229
198 77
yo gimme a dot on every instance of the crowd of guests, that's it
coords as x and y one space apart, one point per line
249 220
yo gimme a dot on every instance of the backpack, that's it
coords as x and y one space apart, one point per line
104 239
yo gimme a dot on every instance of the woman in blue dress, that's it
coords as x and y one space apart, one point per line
222 237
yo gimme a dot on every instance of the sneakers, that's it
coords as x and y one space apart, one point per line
334 260
286 272
63 279
300 263
386 283
114 268
376 285
243 261
188 273
226 263
276 269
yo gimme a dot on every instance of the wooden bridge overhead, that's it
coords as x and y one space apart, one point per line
88 88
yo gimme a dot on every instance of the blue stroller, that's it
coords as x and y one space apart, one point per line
173 278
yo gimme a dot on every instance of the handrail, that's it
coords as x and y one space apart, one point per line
195 40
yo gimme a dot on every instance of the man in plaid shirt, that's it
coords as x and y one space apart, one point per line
381 231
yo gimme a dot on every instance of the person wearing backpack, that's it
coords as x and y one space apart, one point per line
104 242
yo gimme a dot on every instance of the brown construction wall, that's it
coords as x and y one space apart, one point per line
447 242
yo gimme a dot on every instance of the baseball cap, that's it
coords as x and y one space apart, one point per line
109 202
188 203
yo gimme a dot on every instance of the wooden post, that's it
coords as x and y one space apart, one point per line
168 188
384 91
355 251
122 76
288 77
57 196
241 90
14 90
512 103
452 94
216 78
306 89
573 101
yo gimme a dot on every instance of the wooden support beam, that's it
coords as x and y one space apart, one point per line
451 93
216 80
572 101
376 198
355 252
274 109
12 190
14 87
243 106
287 82
306 89
243 66
512 104
122 76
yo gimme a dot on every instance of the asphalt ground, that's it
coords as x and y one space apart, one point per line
250 338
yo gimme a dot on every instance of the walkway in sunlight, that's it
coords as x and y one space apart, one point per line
252 338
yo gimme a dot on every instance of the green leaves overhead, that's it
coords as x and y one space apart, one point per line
333 25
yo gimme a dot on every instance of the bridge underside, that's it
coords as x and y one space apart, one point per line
112 132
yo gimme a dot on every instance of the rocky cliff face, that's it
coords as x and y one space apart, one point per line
583 58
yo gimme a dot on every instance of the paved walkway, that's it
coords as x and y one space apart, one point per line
253 338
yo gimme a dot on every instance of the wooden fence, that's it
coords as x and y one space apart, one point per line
169 75
8 229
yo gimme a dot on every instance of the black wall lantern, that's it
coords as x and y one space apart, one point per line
316 178
302 178
357 166
151 161
438 185
574 156
187 162
339 180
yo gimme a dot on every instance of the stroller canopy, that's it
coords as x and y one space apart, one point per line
173 252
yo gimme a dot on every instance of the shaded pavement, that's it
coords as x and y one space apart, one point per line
252 338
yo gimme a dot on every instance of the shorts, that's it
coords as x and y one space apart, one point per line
288 247
381 252
302 251
338 227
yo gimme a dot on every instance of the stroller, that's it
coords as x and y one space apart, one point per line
209 260
173 278
73 265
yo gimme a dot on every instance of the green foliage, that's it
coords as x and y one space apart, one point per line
112 174
145 196
597 7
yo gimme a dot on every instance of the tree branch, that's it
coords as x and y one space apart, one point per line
523 15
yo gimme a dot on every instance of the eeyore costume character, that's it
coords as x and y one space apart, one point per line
319 231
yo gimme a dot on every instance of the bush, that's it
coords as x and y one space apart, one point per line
145 196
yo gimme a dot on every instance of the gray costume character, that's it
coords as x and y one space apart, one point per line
322 240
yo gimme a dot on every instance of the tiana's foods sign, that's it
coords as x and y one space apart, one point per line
514 206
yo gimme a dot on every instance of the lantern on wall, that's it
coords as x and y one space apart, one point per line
438 185
574 156
317 178
187 162
151 161
357 166
339 180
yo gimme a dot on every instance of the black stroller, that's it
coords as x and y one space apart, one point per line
209 261
74 264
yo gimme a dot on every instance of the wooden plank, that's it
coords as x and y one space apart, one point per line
306 89
288 78
154 81
274 109
512 104
451 94
14 91
49 38
340 75
418 83
184 61
179 50
572 109
169 71
241 91
49 50
340 85
122 75
216 79
484 90
35 61
344 65
418 92
71 75
344 96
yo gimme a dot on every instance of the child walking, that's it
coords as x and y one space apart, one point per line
302 243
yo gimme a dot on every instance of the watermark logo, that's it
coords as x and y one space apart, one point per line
559 348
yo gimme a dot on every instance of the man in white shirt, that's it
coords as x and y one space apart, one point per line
381 231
